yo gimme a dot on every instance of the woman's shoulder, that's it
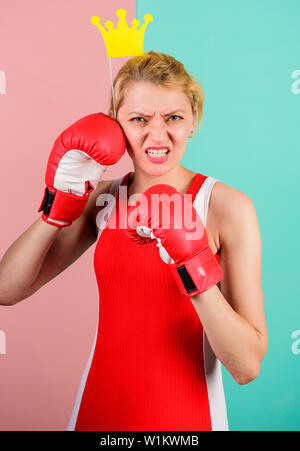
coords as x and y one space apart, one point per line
103 187
229 209
226 200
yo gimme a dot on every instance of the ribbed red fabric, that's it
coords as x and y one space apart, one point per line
147 371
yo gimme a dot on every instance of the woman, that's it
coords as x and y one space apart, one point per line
155 362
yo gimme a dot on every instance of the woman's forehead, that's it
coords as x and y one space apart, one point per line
145 95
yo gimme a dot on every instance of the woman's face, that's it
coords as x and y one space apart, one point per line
156 122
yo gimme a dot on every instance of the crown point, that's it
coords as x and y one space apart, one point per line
95 20
148 18
135 23
121 13
109 25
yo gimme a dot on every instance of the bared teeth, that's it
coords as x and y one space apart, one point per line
157 153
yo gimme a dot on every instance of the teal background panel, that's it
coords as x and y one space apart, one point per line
246 56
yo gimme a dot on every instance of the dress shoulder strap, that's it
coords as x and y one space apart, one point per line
201 202
196 184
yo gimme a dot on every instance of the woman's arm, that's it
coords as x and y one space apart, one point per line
233 318
43 251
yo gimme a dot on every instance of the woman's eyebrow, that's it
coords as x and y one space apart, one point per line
168 114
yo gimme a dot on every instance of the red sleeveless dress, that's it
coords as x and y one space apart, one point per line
147 371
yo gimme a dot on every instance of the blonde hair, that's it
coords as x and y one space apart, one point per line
160 69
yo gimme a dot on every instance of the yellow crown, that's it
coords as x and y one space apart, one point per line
123 41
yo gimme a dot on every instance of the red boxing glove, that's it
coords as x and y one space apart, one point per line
165 215
76 163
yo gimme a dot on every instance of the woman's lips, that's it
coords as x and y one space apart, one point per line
157 159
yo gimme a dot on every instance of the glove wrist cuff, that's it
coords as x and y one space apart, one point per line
198 273
60 208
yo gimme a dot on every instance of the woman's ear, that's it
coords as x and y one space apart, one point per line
194 120
193 124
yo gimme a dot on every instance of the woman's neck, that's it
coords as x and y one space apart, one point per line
180 178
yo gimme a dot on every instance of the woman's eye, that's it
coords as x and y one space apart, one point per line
134 118
176 116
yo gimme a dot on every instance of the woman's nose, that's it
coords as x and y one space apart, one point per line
157 128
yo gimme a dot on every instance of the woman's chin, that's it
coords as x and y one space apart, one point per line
155 170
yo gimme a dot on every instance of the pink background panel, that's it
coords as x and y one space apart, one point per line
56 70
